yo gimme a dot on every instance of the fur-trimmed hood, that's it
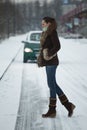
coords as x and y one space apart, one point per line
51 28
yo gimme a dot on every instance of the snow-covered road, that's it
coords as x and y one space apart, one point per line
11 66
33 101
23 89
10 89
71 76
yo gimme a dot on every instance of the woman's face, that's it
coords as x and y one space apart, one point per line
44 24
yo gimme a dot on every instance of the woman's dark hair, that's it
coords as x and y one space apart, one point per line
52 21
48 19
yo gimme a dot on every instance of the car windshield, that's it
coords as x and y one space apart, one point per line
35 36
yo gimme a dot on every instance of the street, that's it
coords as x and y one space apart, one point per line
24 94
71 76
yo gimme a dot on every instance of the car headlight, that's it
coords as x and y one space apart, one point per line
28 50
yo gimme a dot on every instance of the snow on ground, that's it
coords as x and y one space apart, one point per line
30 81
8 51
71 76
10 84
10 88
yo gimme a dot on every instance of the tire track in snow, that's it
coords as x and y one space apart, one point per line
32 103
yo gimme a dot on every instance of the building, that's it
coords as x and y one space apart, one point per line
74 18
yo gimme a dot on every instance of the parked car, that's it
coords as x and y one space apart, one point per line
31 46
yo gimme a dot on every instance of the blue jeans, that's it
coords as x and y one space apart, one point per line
51 80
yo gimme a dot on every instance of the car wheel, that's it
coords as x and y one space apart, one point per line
25 58
24 61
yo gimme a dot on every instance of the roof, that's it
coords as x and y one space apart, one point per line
81 8
32 32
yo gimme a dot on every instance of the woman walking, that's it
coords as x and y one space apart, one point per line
50 45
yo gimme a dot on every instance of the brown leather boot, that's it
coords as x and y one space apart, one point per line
52 109
68 105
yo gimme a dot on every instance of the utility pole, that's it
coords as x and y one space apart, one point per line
14 17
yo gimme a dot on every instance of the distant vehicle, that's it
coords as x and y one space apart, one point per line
73 36
31 46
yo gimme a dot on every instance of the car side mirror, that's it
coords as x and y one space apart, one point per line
25 42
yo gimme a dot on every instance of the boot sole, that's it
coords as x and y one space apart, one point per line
73 107
53 115
50 116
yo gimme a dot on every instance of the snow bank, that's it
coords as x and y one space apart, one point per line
10 84
10 89
8 50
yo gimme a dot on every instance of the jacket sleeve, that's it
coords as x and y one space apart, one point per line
56 44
